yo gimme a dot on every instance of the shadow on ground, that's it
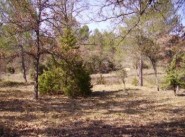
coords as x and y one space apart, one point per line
181 95
100 129
20 107
7 132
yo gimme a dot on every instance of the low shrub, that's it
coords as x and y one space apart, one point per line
50 83
122 74
101 80
11 70
175 74
135 81
71 79
66 74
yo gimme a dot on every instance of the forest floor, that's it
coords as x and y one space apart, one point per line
109 112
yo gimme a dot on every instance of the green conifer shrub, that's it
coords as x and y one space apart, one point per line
49 82
71 79
66 72
175 73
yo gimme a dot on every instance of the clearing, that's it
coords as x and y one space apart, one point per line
109 112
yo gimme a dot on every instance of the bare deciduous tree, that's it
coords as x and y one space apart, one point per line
41 19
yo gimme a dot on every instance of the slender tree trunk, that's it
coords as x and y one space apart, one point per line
140 69
37 58
177 89
37 62
156 76
36 82
174 89
124 85
156 80
23 63
1 68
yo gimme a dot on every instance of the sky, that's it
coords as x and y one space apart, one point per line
106 25
181 13
102 26
89 16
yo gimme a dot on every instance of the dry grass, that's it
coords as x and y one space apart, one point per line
108 112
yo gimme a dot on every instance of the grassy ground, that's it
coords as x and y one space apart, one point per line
109 112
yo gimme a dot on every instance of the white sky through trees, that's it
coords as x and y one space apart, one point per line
90 17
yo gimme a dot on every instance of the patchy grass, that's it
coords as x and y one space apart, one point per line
109 112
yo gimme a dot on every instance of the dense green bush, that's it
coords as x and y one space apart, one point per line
175 73
68 78
172 79
66 72
49 82
76 79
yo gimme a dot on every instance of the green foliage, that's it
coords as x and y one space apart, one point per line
176 72
49 82
84 33
72 79
78 83
68 40
75 78
172 80
135 81
104 52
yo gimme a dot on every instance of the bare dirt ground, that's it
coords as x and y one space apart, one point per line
109 112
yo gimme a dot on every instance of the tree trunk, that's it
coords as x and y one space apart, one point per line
37 62
23 63
174 90
140 69
177 89
36 82
124 86
156 80
156 76
37 57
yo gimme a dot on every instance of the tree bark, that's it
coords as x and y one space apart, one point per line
23 63
156 76
156 80
174 90
124 85
37 62
140 69
37 57
177 89
36 82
